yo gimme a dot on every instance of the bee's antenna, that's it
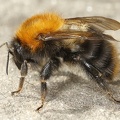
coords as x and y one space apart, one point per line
7 64
4 44
9 52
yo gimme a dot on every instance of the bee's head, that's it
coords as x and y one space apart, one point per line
15 49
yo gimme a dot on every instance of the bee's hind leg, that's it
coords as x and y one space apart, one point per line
104 85
98 77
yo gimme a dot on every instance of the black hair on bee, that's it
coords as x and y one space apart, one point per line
44 39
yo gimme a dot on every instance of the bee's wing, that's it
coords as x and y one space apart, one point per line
85 28
78 35
95 23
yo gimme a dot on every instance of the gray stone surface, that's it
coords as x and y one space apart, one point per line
70 97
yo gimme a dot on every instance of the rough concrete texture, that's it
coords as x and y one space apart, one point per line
70 96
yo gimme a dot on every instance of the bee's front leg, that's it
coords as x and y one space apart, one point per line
46 72
24 70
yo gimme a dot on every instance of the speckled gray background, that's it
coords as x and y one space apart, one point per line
70 97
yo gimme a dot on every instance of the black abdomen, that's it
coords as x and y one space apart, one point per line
101 55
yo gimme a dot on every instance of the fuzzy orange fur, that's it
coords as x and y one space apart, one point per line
32 27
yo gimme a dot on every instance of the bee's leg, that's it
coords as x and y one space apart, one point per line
24 70
46 72
43 93
97 75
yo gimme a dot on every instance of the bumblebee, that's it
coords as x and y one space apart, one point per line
44 39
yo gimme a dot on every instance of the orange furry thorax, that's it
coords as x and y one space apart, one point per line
32 27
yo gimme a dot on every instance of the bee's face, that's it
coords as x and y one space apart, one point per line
17 54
